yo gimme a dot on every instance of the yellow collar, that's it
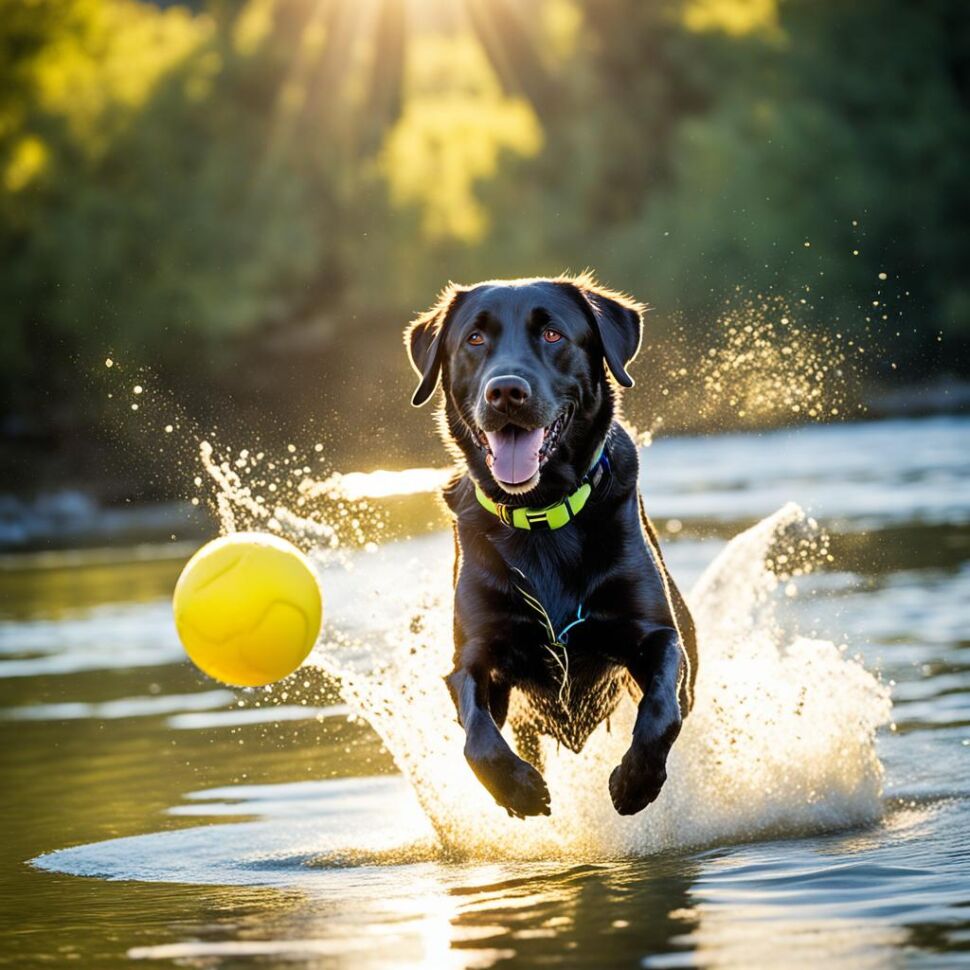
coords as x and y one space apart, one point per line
553 516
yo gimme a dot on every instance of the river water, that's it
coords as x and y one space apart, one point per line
817 808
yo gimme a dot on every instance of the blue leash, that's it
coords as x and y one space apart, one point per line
564 633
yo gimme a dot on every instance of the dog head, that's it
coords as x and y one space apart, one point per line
523 365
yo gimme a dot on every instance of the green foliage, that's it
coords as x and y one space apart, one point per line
175 184
156 217
801 152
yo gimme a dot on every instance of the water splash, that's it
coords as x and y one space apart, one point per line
254 491
781 739
765 363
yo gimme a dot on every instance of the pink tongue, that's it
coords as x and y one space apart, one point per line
515 453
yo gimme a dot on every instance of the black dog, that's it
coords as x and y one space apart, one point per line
560 587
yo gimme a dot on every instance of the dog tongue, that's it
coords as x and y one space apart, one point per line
515 453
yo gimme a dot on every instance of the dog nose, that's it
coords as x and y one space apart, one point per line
507 392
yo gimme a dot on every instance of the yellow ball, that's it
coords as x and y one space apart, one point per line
248 608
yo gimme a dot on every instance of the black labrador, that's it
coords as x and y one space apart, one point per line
561 590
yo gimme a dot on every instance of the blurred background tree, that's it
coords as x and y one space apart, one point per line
251 197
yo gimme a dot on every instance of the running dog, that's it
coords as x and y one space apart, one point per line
561 590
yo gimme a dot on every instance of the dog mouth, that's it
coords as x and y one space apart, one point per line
516 455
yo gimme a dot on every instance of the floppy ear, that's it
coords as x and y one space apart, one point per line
424 339
617 319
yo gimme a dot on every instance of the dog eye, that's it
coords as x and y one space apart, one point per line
551 336
475 338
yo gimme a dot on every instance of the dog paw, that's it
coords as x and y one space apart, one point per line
636 781
514 784
527 793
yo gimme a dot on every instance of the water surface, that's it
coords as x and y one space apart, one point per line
153 815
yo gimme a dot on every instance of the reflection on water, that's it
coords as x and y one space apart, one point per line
384 484
270 828
843 899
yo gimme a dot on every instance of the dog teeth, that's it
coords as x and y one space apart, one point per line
551 439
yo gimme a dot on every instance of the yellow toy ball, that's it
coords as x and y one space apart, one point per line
248 608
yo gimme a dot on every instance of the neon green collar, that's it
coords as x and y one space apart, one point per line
553 516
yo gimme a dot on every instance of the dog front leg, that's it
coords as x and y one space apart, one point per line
512 782
657 669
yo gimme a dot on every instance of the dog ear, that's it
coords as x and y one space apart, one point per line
424 339
618 321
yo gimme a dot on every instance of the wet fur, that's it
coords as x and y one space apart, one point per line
639 635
